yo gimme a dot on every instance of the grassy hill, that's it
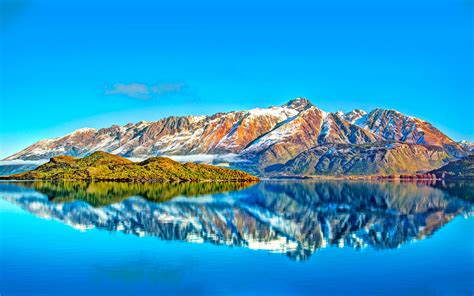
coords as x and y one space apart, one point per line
102 166
459 169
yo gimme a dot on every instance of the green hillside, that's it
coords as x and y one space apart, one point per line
102 166
459 169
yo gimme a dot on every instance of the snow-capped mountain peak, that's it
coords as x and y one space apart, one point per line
262 136
467 145
354 115
299 104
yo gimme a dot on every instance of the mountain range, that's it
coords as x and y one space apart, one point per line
296 138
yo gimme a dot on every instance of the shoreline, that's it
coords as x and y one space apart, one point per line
279 178
132 181
367 178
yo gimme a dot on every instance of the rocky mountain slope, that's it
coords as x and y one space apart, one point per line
458 169
467 145
265 139
109 167
361 159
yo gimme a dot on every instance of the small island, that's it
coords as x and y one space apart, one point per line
102 166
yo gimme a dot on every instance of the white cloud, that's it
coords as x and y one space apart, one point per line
166 88
144 91
200 158
134 90
207 158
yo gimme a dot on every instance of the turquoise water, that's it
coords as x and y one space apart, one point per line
273 238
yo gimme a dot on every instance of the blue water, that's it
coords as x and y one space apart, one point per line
371 239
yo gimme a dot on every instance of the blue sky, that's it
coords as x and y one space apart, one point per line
72 64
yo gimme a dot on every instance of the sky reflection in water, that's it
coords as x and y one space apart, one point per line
298 219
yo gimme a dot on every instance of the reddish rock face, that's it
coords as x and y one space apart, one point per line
392 125
288 140
266 137
338 130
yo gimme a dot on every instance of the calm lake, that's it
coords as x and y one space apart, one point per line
270 238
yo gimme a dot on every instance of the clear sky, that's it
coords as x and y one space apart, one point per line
72 64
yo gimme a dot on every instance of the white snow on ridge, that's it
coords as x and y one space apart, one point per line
324 114
203 134
277 134
79 131
354 115
83 130
325 124
197 118
279 112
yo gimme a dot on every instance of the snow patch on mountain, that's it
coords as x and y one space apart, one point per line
469 146
354 115
280 133
241 132
325 126
82 130
280 112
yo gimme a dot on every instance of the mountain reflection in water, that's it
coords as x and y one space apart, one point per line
292 217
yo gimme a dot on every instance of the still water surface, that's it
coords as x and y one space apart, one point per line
271 238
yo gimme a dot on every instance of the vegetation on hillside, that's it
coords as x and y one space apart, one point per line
102 166
459 169
381 158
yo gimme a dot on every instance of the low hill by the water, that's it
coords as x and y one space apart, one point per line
459 169
102 166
